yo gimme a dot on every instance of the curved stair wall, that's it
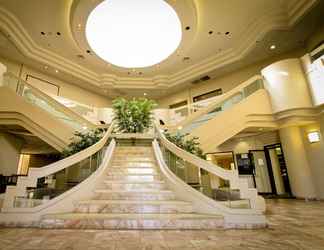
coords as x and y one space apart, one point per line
31 213
251 216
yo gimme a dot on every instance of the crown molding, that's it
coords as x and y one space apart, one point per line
275 20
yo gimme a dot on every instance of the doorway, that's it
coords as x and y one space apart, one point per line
270 173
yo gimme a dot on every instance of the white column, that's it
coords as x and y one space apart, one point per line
287 85
299 172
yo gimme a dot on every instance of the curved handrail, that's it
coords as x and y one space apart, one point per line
35 173
52 101
229 175
216 102
223 173
69 161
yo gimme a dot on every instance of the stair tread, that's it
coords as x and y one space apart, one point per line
127 174
80 216
134 182
126 167
138 202
142 191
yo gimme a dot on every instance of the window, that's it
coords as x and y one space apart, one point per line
208 95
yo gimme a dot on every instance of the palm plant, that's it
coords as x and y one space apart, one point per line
81 141
133 116
190 145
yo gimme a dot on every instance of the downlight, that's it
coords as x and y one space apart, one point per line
133 34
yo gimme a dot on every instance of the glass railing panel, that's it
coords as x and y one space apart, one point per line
53 185
224 105
31 96
203 181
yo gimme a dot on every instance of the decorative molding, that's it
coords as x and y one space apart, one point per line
258 29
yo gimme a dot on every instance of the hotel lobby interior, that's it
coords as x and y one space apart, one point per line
161 124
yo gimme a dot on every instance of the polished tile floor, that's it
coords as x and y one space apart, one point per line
293 225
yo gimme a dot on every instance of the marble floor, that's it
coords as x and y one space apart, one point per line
292 225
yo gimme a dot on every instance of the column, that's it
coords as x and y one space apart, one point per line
299 171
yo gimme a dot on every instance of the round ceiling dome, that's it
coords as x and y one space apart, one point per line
133 34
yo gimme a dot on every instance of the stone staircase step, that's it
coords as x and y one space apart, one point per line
134 185
133 165
149 194
132 206
132 170
132 221
133 160
134 177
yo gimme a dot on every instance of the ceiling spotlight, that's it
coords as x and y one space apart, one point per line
180 127
145 94
272 47
56 71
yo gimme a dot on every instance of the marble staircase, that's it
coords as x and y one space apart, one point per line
133 196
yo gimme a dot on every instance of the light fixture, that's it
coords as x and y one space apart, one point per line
56 71
272 47
133 34
84 127
145 94
314 136
180 127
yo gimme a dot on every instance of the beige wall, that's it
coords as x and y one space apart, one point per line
227 81
67 90
9 154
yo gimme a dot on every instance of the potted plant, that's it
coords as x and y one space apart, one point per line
133 116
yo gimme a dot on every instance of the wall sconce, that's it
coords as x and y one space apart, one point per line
314 136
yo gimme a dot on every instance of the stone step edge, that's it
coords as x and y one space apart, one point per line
133 202
143 191
127 174
159 216
133 182
125 167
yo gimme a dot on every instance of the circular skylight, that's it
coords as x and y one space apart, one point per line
133 33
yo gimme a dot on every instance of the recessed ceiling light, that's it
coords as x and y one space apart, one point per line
227 33
43 33
150 31
145 94
210 32
56 71
188 28
58 33
272 47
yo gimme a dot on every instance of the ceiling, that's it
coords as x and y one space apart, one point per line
218 37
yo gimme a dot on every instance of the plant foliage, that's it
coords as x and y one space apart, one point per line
133 116
81 141
190 145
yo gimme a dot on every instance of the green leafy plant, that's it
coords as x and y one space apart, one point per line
190 145
81 141
133 116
